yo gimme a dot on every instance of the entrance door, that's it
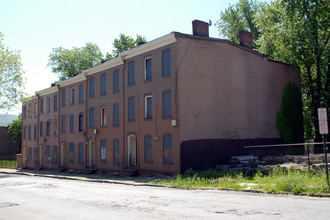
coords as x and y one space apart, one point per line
92 154
41 154
132 152
63 154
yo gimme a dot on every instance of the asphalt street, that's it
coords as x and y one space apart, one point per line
32 197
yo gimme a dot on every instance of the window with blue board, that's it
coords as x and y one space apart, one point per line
167 104
103 84
91 87
147 149
71 123
63 123
71 152
35 132
81 93
55 102
29 154
131 109
63 97
167 149
103 150
81 153
116 115
148 68
24 132
91 118
35 155
116 151
131 73
166 63
47 128
116 81
54 153
41 105
81 122
29 132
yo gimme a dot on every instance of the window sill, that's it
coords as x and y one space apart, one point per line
168 163
131 120
166 76
131 84
149 162
115 92
147 119
147 80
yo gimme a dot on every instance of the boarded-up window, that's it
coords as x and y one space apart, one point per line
71 152
55 153
81 122
103 150
166 63
29 154
103 84
41 129
55 127
91 87
116 151
47 128
41 105
81 153
131 109
30 110
63 123
55 102
91 117
147 149
30 132
148 66
35 109
35 132
167 149
35 155
63 97
116 81
71 123
131 73
116 115
167 108
81 93
24 132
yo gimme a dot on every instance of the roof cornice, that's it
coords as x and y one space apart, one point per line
106 65
47 91
152 45
75 79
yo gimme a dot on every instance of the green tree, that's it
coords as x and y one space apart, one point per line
124 43
290 116
67 63
11 77
296 32
239 17
15 130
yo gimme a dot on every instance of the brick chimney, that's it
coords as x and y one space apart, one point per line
200 28
245 39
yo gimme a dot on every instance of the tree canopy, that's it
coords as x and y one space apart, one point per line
294 32
15 130
67 63
124 43
11 77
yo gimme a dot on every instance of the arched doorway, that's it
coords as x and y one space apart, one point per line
132 152
92 154
63 155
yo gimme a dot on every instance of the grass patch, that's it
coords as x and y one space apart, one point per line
8 163
279 180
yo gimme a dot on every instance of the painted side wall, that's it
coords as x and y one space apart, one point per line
228 88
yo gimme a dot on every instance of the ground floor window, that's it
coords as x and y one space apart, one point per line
167 149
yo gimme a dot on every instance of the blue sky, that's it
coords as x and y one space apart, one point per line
36 26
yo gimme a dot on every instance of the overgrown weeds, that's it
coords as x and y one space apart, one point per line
279 180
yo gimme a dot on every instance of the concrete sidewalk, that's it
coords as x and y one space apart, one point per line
142 180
